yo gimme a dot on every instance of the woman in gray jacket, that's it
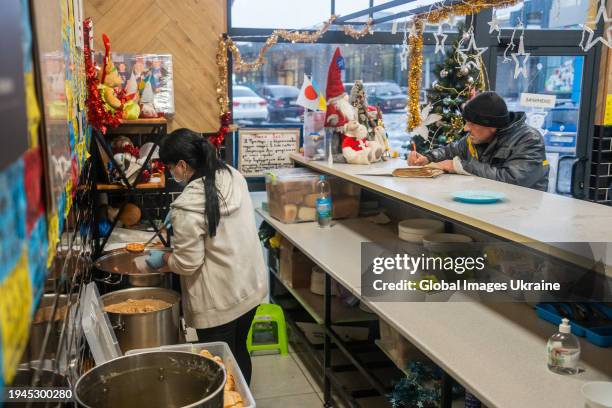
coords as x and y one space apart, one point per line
217 252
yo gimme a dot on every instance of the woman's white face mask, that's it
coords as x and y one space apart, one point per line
179 173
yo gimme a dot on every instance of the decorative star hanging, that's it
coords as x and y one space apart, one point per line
601 13
475 60
413 30
511 45
404 57
440 42
520 68
405 49
494 26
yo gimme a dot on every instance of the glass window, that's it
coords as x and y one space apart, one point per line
279 13
344 7
448 26
282 91
548 14
239 91
378 66
558 77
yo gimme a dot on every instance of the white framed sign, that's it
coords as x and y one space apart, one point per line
531 100
262 150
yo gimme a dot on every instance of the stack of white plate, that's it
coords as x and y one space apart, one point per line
415 229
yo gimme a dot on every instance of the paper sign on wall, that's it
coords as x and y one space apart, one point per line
608 114
262 150
15 317
531 100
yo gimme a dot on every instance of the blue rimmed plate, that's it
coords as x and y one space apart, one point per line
478 197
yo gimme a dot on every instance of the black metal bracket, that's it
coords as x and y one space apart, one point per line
155 135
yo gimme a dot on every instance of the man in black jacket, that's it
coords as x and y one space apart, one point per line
500 146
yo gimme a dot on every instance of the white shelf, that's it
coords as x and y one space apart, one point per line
526 216
313 304
496 351
337 250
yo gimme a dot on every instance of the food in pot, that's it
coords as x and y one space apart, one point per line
135 247
231 397
44 314
133 306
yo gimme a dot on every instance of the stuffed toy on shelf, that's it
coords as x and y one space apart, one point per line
356 148
110 80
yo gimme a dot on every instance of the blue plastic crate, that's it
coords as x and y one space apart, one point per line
600 336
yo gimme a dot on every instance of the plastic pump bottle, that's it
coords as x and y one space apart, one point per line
563 350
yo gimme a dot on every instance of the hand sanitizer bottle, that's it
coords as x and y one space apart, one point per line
563 350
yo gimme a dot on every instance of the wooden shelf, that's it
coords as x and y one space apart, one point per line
139 186
152 121
313 304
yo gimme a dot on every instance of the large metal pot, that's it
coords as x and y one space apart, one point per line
39 328
144 330
157 379
120 269
46 378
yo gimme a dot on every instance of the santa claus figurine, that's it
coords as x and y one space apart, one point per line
339 109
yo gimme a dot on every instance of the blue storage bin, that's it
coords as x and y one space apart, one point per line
600 336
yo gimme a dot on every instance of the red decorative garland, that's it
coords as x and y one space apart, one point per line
97 115
218 138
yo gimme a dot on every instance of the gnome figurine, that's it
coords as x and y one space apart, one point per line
131 108
147 106
339 110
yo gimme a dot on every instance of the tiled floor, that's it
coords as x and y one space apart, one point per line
283 381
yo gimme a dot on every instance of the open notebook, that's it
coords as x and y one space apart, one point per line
410 171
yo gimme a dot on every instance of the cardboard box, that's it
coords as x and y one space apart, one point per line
292 195
295 267
400 350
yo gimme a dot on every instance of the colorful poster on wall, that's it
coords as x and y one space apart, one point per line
12 216
49 16
15 315
147 76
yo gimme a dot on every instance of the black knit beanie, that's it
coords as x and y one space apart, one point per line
487 109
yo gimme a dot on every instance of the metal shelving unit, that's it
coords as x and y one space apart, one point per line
141 131
328 310
63 351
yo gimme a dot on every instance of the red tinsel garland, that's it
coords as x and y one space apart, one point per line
218 138
97 115
128 148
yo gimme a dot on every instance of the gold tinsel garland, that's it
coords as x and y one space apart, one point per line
414 75
226 44
416 55
221 59
357 34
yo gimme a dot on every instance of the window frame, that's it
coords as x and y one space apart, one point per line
540 42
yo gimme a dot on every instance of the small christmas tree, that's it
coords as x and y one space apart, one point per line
458 80
359 101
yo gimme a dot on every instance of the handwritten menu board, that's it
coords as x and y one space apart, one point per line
261 150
